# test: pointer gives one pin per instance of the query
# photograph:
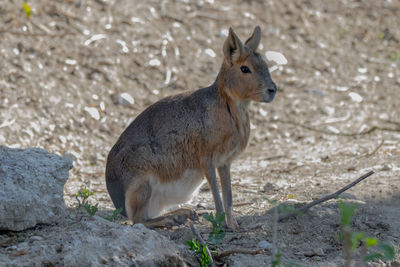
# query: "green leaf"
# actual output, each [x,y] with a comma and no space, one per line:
[194,245]
[220,218]
[355,239]
[371,241]
[277,261]
[208,217]
[190,244]
[27,9]
[114,216]
[347,212]
[372,257]
[381,35]
[388,254]
[388,251]
[395,56]
[205,254]
[91,210]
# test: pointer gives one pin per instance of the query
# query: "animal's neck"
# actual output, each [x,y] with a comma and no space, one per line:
[225,93]
[237,108]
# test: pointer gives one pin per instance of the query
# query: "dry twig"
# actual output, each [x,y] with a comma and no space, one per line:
[325,198]
[373,151]
[239,251]
[370,130]
[36,34]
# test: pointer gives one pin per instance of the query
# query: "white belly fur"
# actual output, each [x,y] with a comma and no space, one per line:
[165,196]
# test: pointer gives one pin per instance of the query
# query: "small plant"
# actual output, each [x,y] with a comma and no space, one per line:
[82,198]
[394,56]
[199,250]
[218,232]
[354,240]
[27,9]
[276,262]
[114,216]
[91,210]
[215,237]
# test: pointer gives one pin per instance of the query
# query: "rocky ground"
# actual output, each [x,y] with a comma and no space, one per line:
[65,69]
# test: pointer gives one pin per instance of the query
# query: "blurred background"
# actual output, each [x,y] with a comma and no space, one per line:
[75,73]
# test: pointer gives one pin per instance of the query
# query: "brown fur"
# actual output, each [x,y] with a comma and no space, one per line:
[179,139]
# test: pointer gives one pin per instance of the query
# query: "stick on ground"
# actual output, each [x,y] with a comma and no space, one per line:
[240,251]
[325,198]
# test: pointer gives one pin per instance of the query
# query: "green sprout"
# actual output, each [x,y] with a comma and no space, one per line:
[82,198]
[353,240]
[114,216]
[199,250]
[218,232]
[27,9]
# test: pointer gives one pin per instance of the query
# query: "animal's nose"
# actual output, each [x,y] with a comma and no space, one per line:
[272,88]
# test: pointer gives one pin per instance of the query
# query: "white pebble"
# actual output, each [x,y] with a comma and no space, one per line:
[362,70]
[93,112]
[95,37]
[154,62]
[342,88]
[210,52]
[262,112]
[277,57]
[128,98]
[69,61]
[124,99]
[355,97]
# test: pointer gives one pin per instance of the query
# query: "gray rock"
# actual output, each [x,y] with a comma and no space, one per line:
[31,187]
[94,241]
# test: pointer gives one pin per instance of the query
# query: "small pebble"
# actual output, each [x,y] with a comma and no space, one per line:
[124,99]
[93,112]
[318,252]
[264,245]
[155,62]
[36,238]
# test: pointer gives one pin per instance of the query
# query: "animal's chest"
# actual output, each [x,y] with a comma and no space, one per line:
[234,141]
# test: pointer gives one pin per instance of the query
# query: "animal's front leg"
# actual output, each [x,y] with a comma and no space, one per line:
[212,181]
[225,176]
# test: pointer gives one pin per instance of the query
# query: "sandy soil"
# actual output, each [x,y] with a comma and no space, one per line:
[335,117]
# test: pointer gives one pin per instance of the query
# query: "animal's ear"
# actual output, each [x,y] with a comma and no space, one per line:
[233,47]
[254,39]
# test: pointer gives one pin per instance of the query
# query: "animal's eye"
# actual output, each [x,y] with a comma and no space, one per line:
[245,69]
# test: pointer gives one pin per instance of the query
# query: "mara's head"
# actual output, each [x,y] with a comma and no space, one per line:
[244,72]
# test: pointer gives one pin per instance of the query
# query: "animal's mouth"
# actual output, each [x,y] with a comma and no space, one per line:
[269,98]
[270,94]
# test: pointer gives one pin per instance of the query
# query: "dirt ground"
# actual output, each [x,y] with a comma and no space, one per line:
[335,117]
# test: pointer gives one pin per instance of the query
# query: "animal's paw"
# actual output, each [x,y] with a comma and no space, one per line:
[174,218]
[232,224]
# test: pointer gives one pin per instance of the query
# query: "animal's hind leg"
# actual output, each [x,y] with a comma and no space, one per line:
[173,218]
[136,201]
